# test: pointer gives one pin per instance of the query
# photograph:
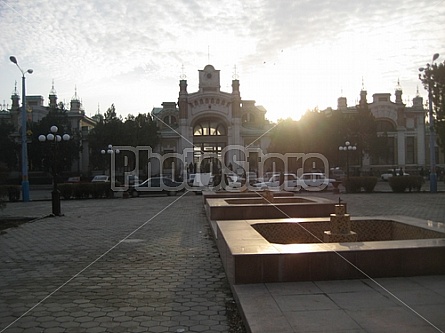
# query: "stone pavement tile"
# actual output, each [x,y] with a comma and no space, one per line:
[288,303]
[395,284]
[433,314]
[420,297]
[361,300]
[115,266]
[389,319]
[268,323]
[431,282]
[259,304]
[341,286]
[293,288]
[335,320]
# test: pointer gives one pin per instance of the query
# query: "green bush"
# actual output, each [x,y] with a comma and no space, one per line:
[355,184]
[99,190]
[81,190]
[10,191]
[14,193]
[3,194]
[400,184]
[86,190]
[66,190]
[369,183]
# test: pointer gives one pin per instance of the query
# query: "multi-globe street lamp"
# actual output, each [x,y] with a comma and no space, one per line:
[25,180]
[433,175]
[54,138]
[347,148]
[110,151]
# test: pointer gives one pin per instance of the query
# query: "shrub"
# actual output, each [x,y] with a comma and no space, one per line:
[3,194]
[355,184]
[81,190]
[98,190]
[66,190]
[369,183]
[400,184]
[13,193]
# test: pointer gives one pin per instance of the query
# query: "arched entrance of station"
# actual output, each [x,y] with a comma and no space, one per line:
[209,139]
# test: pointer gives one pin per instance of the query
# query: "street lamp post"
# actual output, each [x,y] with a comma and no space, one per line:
[347,147]
[25,180]
[54,138]
[110,151]
[433,175]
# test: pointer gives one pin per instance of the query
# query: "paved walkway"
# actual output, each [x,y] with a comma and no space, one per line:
[149,265]
[119,265]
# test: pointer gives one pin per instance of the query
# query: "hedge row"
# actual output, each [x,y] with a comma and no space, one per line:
[356,184]
[400,184]
[10,191]
[86,190]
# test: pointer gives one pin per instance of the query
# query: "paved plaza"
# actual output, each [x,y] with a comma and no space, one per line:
[150,265]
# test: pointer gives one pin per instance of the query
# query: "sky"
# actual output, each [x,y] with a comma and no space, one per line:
[289,55]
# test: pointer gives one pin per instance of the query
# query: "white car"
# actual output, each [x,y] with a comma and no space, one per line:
[291,183]
[100,179]
[385,176]
[315,181]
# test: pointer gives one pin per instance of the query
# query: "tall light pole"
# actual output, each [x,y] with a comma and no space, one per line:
[433,175]
[55,138]
[110,151]
[347,147]
[25,180]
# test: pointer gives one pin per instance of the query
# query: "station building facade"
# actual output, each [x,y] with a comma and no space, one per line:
[405,128]
[37,110]
[209,122]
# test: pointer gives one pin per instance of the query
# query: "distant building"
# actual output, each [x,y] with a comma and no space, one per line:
[405,129]
[36,111]
[209,120]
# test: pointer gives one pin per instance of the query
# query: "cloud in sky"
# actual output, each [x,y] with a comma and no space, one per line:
[290,55]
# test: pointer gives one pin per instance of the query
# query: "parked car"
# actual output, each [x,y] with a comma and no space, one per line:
[290,182]
[315,181]
[337,174]
[157,185]
[73,180]
[100,179]
[133,180]
[251,178]
[191,178]
[266,177]
[391,172]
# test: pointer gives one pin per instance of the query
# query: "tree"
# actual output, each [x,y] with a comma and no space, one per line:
[135,131]
[8,147]
[362,131]
[285,137]
[42,155]
[434,78]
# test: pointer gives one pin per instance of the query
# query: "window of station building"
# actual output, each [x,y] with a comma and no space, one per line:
[209,127]
[170,120]
[385,126]
[386,156]
[248,118]
[410,150]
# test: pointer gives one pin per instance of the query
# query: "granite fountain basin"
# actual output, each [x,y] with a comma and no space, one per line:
[291,249]
[259,207]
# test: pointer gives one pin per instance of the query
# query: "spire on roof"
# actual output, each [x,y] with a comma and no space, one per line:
[398,87]
[235,75]
[53,91]
[75,97]
[15,93]
[182,76]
